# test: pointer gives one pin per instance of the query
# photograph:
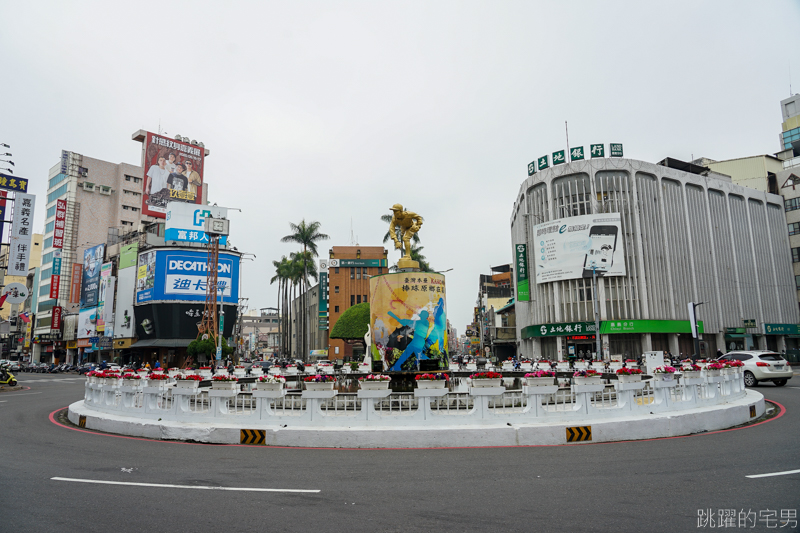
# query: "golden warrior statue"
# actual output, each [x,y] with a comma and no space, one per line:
[409,224]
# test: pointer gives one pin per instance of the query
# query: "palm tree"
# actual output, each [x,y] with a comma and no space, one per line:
[282,271]
[307,234]
[303,267]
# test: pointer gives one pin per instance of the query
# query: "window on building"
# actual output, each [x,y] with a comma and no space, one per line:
[46,274]
[797,282]
[48,228]
[336,270]
[44,289]
[56,180]
[47,258]
[358,299]
[336,309]
[791,204]
[380,270]
[365,298]
[336,289]
[48,242]
[794,228]
[352,299]
[57,193]
[795,255]
[51,211]
[353,271]
[126,223]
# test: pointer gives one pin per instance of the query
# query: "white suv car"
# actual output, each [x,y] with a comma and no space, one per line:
[762,366]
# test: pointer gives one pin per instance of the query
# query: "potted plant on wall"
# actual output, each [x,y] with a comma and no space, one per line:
[270,382]
[319,382]
[690,370]
[629,375]
[487,379]
[540,378]
[432,380]
[224,382]
[664,373]
[374,382]
[187,381]
[587,377]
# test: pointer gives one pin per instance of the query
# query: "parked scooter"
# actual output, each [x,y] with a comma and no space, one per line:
[6,377]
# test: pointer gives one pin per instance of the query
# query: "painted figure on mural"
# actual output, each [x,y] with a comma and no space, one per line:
[417,345]
[409,224]
[437,334]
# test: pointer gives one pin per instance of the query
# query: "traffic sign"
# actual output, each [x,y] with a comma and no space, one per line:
[219,353]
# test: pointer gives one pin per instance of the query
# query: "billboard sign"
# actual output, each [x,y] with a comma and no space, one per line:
[55,285]
[59,223]
[105,274]
[186,222]
[523,278]
[180,275]
[55,318]
[20,240]
[408,313]
[75,283]
[124,325]
[87,322]
[2,213]
[12,183]
[176,320]
[90,285]
[574,247]
[173,172]
[128,255]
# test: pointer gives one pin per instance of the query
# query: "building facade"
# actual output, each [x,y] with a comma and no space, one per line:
[685,237]
[349,270]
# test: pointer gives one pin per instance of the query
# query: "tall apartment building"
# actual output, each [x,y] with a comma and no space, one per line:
[349,270]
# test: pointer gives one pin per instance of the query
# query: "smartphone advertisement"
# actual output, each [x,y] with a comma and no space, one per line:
[578,247]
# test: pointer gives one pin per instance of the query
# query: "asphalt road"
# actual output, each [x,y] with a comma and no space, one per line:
[657,485]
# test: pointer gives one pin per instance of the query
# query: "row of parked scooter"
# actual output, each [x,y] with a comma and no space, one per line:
[48,368]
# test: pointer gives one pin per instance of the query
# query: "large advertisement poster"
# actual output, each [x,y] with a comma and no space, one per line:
[105,274]
[173,172]
[90,286]
[124,318]
[180,275]
[185,222]
[574,247]
[21,233]
[521,267]
[408,313]
[87,323]
[177,320]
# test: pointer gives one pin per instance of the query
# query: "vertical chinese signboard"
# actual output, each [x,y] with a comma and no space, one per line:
[75,283]
[55,318]
[20,240]
[2,213]
[61,217]
[55,276]
[323,300]
[523,279]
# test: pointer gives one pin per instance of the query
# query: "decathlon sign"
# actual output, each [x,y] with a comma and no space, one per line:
[181,276]
[184,222]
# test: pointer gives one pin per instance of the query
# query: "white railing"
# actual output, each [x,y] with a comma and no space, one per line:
[435,407]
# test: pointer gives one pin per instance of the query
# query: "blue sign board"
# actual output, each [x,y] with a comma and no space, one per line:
[186,222]
[181,275]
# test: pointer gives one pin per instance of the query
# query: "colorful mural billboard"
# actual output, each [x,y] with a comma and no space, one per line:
[408,315]
[173,173]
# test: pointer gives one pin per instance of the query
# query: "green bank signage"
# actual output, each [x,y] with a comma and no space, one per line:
[648,326]
[523,280]
[323,300]
[362,262]
[782,329]
[558,330]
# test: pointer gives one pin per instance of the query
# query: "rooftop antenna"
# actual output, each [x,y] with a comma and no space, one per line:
[352,237]
[566,128]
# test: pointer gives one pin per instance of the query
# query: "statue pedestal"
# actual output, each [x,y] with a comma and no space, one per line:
[407,264]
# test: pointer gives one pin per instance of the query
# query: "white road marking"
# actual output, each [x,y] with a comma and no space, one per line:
[169,486]
[26,394]
[786,473]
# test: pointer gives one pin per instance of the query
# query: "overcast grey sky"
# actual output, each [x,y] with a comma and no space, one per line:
[334,111]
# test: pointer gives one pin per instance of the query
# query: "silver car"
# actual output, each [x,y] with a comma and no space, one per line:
[762,366]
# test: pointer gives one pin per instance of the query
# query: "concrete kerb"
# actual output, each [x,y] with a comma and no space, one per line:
[671,424]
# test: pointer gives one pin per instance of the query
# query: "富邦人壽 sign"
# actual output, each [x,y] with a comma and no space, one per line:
[182,276]
[185,222]
[576,247]
[173,172]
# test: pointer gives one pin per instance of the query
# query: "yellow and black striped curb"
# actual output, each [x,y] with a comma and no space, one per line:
[82,421]
[252,436]
[579,433]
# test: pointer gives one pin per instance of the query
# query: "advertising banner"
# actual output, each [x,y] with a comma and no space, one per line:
[180,275]
[408,313]
[20,239]
[55,318]
[128,255]
[87,320]
[123,317]
[55,285]
[2,213]
[323,300]
[12,183]
[559,330]
[521,266]
[185,222]
[90,285]
[176,320]
[173,172]
[75,283]
[571,248]
[105,273]
[108,307]
[59,224]
[780,329]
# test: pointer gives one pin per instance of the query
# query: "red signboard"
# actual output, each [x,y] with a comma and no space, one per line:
[581,338]
[55,318]
[61,217]
[55,284]
[173,173]
[75,283]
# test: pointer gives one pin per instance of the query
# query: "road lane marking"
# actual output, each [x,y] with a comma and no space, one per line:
[786,473]
[168,486]
[26,394]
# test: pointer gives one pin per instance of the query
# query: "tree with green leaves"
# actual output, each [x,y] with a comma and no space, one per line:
[306,234]
[282,276]
[352,325]
[207,347]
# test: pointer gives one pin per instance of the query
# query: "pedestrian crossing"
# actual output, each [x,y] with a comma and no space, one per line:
[49,380]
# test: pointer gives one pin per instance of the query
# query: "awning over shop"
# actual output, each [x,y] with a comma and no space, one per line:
[506,307]
[162,343]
